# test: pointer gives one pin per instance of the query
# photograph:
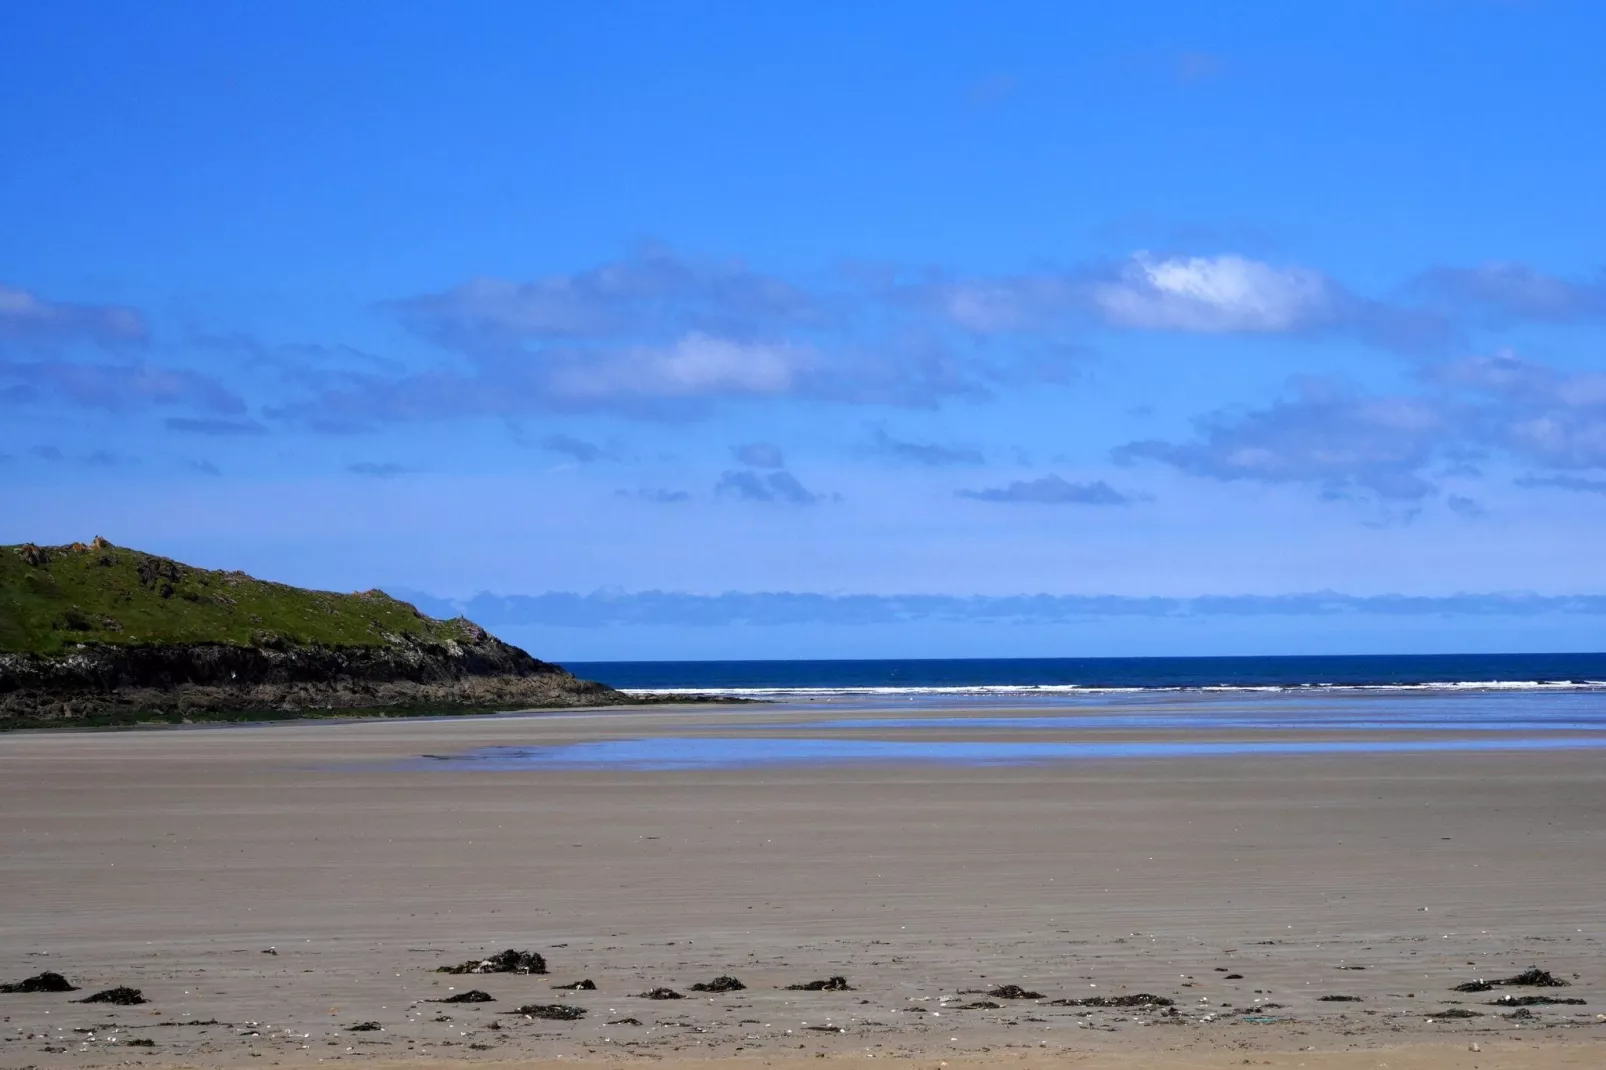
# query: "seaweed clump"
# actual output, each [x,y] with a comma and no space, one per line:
[1014,992]
[1136,999]
[1532,977]
[121,996]
[834,983]
[508,961]
[724,983]
[555,1012]
[473,995]
[41,982]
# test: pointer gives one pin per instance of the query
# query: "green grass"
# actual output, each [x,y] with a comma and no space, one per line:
[114,595]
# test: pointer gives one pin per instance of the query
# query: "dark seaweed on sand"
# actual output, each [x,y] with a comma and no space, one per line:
[1457,1012]
[979,1005]
[625,1021]
[508,961]
[1014,992]
[830,984]
[121,996]
[1532,977]
[587,985]
[1340,999]
[473,995]
[555,1012]
[724,983]
[365,1027]
[1136,999]
[41,982]
[662,993]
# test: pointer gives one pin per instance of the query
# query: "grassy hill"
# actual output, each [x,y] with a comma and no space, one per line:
[53,598]
[101,634]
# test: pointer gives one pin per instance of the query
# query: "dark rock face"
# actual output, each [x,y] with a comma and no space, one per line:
[98,680]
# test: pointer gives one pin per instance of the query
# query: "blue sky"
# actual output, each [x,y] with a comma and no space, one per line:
[690,309]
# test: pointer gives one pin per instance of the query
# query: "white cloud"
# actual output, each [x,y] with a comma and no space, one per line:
[1214,295]
[697,365]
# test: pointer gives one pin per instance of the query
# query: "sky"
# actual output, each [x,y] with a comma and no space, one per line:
[724,330]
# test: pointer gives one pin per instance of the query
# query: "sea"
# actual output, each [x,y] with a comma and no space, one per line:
[1038,678]
[1004,712]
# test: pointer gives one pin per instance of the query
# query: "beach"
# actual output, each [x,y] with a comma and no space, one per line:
[267,888]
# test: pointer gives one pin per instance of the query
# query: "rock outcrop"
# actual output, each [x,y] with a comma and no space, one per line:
[100,682]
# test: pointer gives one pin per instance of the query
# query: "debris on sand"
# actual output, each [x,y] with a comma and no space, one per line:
[1457,1012]
[552,1012]
[834,983]
[625,1021]
[509,961]
[122,996]
[661,993]
[825,1029]
[41,982]
[588,985]
[1339,999]
[724,983]
[364,1027]
[1534,1001]
[1014,992]
[1233,977]
[1522,1014]
[1136,999]
[1474,986]
[473,995]
[979,1005]
[141,1042]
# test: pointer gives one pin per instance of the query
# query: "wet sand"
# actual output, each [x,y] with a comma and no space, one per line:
[174,861]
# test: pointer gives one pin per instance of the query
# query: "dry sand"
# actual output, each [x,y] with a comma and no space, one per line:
[172,861]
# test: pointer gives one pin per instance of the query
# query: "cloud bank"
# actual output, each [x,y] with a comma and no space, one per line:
[659,608]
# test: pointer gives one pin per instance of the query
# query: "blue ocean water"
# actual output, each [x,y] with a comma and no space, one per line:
[1004,675]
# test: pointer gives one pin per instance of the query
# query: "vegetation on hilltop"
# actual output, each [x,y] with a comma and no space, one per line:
[54,598]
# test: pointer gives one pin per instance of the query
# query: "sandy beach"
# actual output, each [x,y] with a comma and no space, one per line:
[268,888]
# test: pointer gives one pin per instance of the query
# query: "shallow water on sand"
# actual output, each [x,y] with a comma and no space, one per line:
[1011,732]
